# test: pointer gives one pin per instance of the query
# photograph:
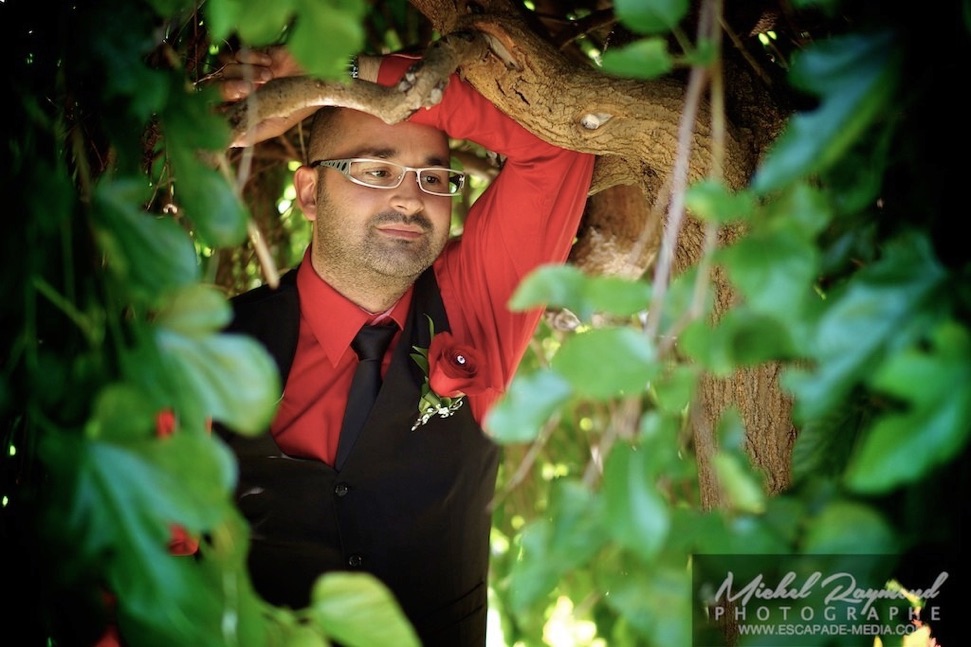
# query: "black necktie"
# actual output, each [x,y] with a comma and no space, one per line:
[369,344]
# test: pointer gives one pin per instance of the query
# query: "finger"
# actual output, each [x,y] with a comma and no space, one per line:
[234,90]
[256,74]
[249,56]
[283,62]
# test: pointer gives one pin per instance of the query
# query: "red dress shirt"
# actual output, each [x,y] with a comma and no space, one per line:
[526,218]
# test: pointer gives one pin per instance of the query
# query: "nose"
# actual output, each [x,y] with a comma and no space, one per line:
[408,197]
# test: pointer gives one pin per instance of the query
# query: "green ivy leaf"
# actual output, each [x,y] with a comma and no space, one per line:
[560,546]
[566,286]
[884,305]
[606,363]
[184,479]
[643,59]
[533,577]
[802,210]
[674,389]
[637,515]
[231,377]
[121,412]
[150,255]
[856,78]
[659,606]
[190,124]
[124,500]
[741,338]
[124,28]
[220,218]
[530,401]
[194,311]
[743,492]
[261,22]
[342,22]
[359,611]
[774,270]
[935,385]
[713,202]
[651,16]
[848,528]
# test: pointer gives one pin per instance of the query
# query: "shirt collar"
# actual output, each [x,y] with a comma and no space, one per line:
[333,319]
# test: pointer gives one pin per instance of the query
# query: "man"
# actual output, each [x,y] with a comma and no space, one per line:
[405,501]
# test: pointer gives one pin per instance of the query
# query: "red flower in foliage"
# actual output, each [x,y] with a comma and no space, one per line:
[181,542]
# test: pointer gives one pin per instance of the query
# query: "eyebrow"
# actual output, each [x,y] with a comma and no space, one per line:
[387,153]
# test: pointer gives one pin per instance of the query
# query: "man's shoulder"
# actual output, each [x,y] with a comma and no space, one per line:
[266,292]
[264,301]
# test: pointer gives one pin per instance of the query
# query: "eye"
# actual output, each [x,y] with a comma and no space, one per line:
[375,172]
[378,171]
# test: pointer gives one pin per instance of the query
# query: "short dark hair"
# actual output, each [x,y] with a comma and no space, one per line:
[321,129]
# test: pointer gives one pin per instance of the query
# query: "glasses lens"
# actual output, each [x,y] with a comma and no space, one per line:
[441,181]
[376,173]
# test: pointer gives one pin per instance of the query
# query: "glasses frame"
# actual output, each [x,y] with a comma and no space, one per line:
[343,166]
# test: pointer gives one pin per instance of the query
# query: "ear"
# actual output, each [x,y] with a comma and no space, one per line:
[305,184]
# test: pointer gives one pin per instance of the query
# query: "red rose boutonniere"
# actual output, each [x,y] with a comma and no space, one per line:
[451,372]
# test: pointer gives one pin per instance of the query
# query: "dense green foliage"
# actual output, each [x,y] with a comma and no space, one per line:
[851,273]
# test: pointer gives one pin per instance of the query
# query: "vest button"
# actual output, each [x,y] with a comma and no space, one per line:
[355,561]
[341,489]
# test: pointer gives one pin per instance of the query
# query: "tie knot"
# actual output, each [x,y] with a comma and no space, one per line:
[371,341]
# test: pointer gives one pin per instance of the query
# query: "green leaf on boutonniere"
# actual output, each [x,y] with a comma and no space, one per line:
[431,404]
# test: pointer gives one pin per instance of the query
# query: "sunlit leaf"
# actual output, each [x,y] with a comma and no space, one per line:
[537,574]
[659,606]
[637,515]
[566,286]
[231,376]
[359,611]
[712,201]
[674,389]
[263,21]
[528,404]
[607,362]
[741,490]
[643,59]
[341,22]
[196,310]
[741,338]
[651,16]
[774,270]
[572,536]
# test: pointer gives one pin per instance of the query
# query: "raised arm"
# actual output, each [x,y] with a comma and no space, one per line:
[526,218]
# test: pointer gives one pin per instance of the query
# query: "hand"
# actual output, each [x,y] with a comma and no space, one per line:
[251,68]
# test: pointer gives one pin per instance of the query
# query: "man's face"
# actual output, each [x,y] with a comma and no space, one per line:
[360,231]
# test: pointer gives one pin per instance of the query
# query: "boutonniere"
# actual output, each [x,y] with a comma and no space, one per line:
[451,372]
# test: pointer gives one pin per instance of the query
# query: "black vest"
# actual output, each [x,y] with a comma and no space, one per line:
[410,507]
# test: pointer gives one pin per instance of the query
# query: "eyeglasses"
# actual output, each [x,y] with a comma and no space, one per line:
[382,174]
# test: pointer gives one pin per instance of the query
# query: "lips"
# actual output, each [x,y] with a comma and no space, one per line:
[409,232]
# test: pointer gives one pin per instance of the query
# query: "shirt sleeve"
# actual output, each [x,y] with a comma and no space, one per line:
[527,217]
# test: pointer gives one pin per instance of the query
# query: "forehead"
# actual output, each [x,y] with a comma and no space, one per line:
[351,133]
